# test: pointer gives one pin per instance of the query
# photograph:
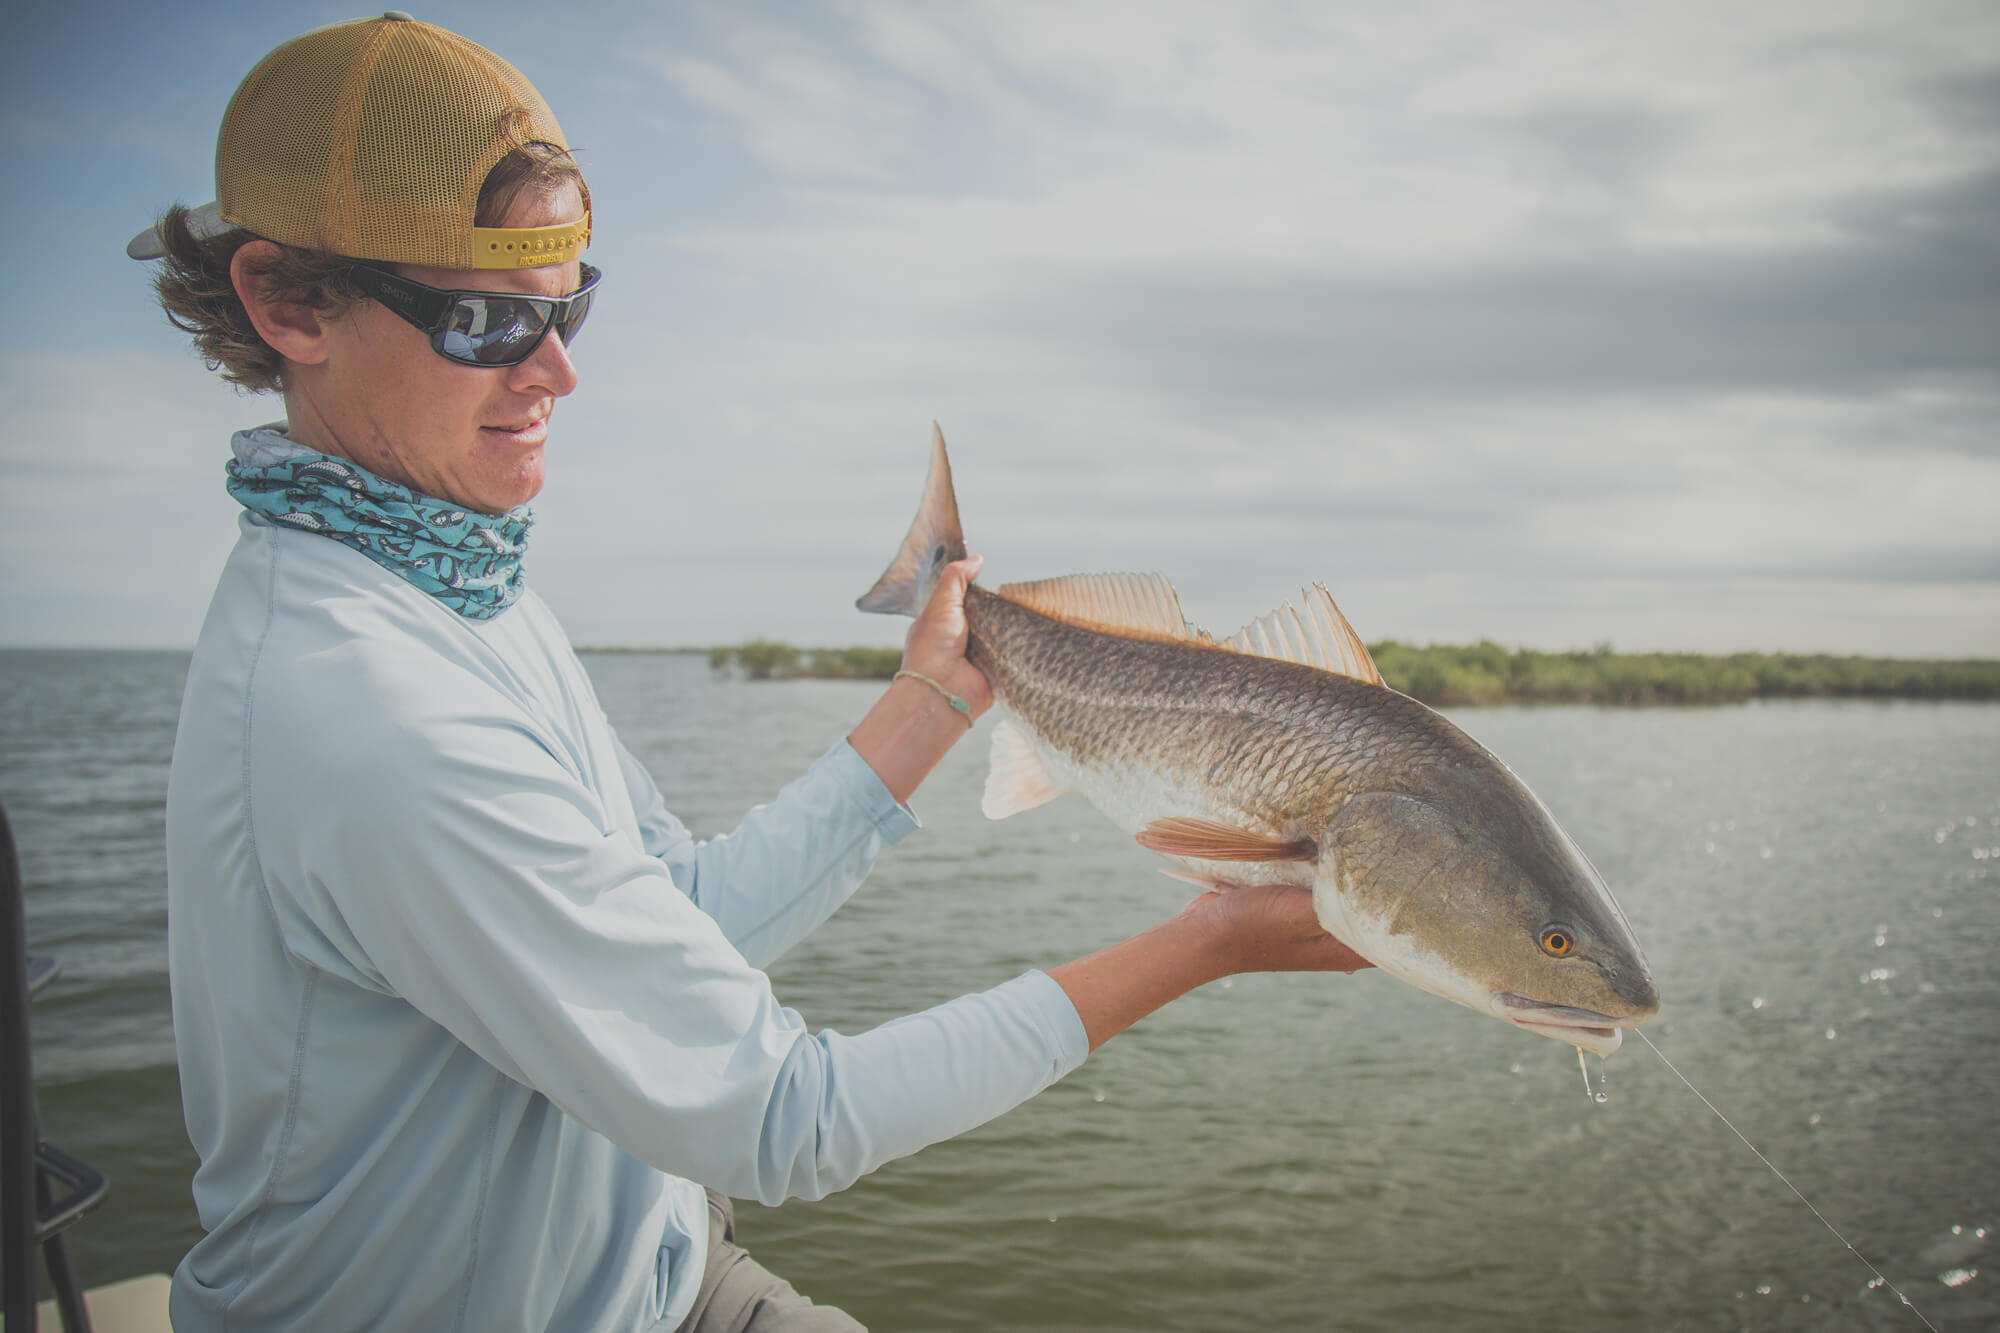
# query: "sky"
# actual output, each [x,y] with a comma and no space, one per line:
[1675,327]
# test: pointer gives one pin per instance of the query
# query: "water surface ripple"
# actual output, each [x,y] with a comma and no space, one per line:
[1815,884]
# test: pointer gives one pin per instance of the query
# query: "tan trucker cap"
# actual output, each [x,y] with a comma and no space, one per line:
[370,139]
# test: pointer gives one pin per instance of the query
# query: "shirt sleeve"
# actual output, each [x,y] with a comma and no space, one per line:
[475,877]
[788,865]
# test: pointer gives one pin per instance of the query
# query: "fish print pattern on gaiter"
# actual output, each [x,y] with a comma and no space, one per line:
[469,561]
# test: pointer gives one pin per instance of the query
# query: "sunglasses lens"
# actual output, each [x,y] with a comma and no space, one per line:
[571,323]
[500,330]
[493,330]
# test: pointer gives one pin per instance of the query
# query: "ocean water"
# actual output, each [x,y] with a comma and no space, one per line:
[1817,886]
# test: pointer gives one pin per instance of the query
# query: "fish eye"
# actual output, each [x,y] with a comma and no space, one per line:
[1557,940]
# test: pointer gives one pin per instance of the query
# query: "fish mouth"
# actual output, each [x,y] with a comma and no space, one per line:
[1578,1027]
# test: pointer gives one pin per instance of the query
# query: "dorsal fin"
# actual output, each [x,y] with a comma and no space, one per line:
[1320,638]
[1128,603]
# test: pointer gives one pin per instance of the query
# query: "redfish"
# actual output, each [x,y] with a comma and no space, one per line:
[1279,756]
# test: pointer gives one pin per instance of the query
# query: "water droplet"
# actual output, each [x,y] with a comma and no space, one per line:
[1765,852]
[1757,1003]
[1875,1282]
[1602,1098]
[1813,1119]
[1097,1096]
[1937,911]
[1708,847]
[1957,1229]
[1958,1277]
[1515,1069]
[1829,1034]
[1763,1289]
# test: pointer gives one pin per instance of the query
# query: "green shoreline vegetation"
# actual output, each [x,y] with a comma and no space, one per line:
[1471,675]
[767,659]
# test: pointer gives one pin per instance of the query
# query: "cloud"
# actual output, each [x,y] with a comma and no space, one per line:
[806,111]
[113,520]
[1912,290]
[1609,146]
[1966,100]
[1668,327]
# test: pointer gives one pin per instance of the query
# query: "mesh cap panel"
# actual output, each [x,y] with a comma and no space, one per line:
[371,139]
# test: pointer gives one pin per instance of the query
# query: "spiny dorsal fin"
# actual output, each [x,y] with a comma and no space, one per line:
[1132,603]
[1320,638]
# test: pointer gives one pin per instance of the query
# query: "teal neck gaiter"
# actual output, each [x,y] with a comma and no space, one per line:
[469,561]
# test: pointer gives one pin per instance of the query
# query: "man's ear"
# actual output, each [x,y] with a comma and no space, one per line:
[295,332]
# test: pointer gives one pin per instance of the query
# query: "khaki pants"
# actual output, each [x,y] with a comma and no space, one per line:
[739,1295]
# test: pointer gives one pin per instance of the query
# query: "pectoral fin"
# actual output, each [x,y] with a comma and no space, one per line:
[1016,777]
[1206,840]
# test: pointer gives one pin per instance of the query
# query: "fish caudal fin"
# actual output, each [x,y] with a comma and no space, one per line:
[934,541]
[1016,777]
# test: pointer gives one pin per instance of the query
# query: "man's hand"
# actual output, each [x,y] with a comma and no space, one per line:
[1269,928]
[935,645]
[1238,928]
[911,727]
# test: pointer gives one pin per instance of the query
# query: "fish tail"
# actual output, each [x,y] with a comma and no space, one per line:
[934,541]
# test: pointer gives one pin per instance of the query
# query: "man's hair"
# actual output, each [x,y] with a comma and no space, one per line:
[195,289]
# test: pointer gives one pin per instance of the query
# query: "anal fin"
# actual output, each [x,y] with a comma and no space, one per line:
[1201,881]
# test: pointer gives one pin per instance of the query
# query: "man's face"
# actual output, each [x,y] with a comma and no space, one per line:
[469,435]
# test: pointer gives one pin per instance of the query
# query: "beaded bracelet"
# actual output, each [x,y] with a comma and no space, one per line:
[963,708]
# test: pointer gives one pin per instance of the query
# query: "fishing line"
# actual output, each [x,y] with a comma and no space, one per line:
[1879,1275]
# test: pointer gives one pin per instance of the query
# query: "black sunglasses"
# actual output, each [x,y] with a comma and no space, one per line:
[490,329]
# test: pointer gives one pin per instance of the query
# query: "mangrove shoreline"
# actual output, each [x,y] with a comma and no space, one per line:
[1484,673]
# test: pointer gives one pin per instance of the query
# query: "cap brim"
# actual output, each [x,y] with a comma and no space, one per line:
[204,222]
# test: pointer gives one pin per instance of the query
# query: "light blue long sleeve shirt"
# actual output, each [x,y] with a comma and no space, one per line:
[464,1014]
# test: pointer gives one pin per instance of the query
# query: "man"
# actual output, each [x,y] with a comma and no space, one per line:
[472,1033]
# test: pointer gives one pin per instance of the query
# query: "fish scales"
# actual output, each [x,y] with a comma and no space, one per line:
[1279,757]
[1273,740]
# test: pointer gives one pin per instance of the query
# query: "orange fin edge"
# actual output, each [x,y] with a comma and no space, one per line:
[1207,840]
